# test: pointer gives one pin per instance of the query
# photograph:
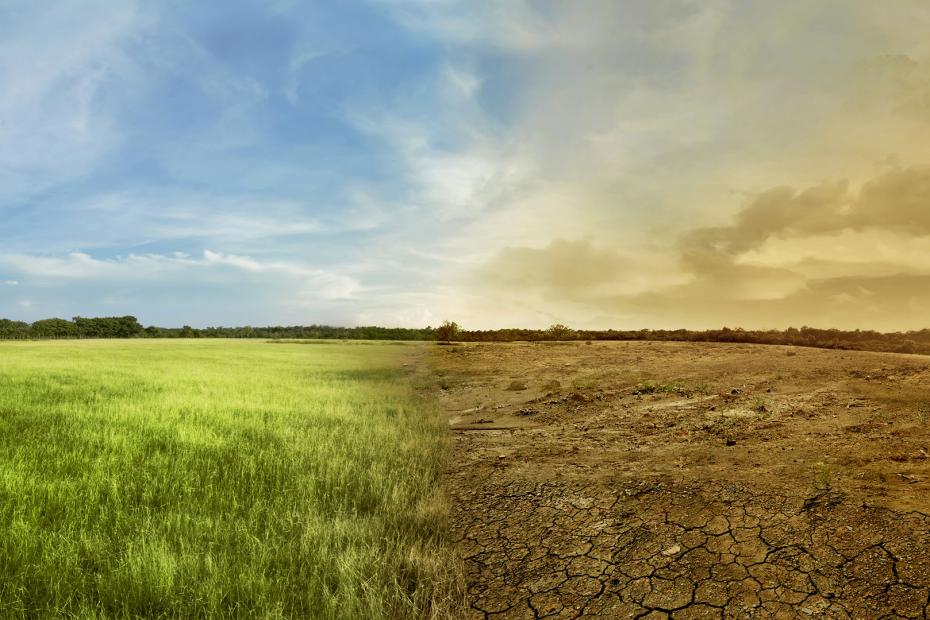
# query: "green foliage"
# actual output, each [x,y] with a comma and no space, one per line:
[651,387]
[107,327]
[217,479]
[129,327]
[448,332]
[14,330]
[54,328]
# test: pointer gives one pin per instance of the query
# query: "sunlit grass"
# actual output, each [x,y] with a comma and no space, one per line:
[217,479]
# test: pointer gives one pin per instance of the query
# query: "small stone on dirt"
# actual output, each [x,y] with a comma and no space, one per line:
[731,442]
[672,550]
[516,386]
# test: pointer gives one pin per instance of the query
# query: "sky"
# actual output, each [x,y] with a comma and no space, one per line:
[622,164]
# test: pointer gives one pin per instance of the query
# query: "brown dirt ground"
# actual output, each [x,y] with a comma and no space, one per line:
[688,480]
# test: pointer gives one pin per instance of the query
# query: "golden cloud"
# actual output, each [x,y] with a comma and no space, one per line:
[772,266]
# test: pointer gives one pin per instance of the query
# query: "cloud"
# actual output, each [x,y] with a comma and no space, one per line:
[325,284]
[208,288]
[562,265]
[894,201]
[298,61]
[514,25]
[151,267]
[823,255]
[11,282]
[55,65]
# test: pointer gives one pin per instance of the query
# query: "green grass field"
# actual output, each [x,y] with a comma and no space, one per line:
[240,479]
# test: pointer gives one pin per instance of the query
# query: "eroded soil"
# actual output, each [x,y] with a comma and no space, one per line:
[623,480]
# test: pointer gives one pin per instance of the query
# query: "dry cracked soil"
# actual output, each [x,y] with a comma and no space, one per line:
[688,480]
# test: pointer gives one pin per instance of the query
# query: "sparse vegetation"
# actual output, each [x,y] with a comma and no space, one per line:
[864,340]
[583,383]
[922,412]
[217,479]
[822,475]
[650,387]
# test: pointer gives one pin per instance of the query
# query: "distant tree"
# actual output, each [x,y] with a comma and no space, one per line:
[54,328]
[128,327]
[560,332]
[107,327]
[14,330]
[448,331]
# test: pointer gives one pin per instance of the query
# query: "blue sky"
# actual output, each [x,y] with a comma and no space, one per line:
[191,162]
[500,163]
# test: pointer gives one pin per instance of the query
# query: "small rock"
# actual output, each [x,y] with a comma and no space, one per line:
[672,550]
[731,442]
[516,386]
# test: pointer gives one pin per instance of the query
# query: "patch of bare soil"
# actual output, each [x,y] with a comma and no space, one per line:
[654,480]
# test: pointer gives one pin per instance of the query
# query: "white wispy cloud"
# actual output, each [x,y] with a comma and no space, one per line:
[457,167]
[53,65]
[152,267]
[513,26]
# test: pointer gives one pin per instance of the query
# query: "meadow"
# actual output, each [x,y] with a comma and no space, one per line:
[218,478]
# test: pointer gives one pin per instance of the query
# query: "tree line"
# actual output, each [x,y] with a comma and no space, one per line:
[863,340]
[129,327]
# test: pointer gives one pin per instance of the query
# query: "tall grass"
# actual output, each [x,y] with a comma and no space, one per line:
[195,479]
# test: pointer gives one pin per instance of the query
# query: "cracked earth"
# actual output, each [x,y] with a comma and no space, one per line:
[680,480]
